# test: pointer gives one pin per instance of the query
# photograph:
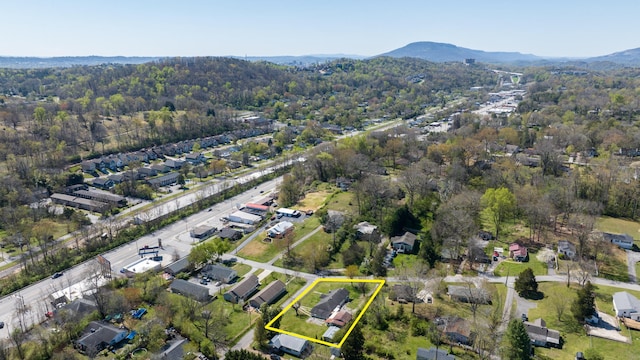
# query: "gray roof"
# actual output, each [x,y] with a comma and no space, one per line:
[172,350]
[289,342]
[244,288]
[97,333]
[269,294]
[178,266]
[538,331]
[219,272]
[430,354]
[189,289]
[406,238]
[330,333]
[623,300]
[623,238]
[329,302]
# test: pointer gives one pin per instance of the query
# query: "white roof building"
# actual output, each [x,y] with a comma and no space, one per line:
[626,305]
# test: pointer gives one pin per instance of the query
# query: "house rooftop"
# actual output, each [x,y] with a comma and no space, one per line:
[290,342]
[624,300]
[538,331]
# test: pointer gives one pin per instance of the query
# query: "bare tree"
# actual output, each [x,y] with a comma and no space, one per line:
[559,304]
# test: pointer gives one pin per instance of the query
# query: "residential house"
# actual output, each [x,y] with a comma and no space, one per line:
[477,255]
[469,294]
[402,294]
[230,234]
[98,336]
[404,243]
[147,172]
[75,310]
[102,196]
[174,164]
[219,273]
[189,289]
[195,158]
[518,252]
[280,229]
[540,335]
[512,149]
[567,249]
[172,350]
[203,231]
[624,241]
[329,303]
[176,267]
[433,354]
[151,155]
[160,168]
[73,188]
[116,178]
[457,330]
[291,345]
[626,305]
[343,183]
[365,230]
[88,166]
[339,319]
[80,203]
[103,183]
[268,295]
[242,290]
[164,180]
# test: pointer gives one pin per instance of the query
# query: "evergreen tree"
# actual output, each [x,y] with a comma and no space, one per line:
[242,355]
[518,345]
[526,284]
[584,305]
[353,347]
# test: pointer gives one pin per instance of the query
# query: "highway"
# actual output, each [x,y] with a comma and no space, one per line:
[175,238]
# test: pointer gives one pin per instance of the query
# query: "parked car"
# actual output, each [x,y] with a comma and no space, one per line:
[56,275]
[204,282]
[1,324]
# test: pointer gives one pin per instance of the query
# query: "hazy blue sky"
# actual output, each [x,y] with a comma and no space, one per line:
[303,27]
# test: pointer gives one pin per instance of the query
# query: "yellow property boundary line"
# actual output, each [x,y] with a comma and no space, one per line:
[316,282]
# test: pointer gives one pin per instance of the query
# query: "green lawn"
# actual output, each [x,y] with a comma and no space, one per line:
[513,268]
[342,201]
[574,337]
[257,250]
[241,269]
[619,226]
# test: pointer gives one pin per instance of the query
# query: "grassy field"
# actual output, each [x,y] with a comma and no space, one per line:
[513,268]
[619,226]
[313,201]
[572,333]
[342,201]
[241,269]
[257,250]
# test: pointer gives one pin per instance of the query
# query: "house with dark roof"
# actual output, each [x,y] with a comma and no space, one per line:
[103,183]
[457,330]
[477,255]
[219,273]
[230,233]
[339,319]
[404,243]
[176,267]
[189,289]
[195,158]
[402,294]
[75,310]
[268,295]
[540,335]
[329,303]
[161,168]
[469,294]
[433,354]
[171,350]
[98,336]
[147,172]
[242,290]
[624,241]
[203,231]
[116,178]
[174,164]
[291,345]
[164,180]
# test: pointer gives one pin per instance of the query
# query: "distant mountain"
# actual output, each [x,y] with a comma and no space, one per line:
[68,61]
[629,57]
[299,60]
[441,52]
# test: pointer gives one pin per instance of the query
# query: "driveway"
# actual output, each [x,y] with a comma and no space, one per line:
[632,258]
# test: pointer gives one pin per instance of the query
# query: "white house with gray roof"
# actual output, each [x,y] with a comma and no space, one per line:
[626,305]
